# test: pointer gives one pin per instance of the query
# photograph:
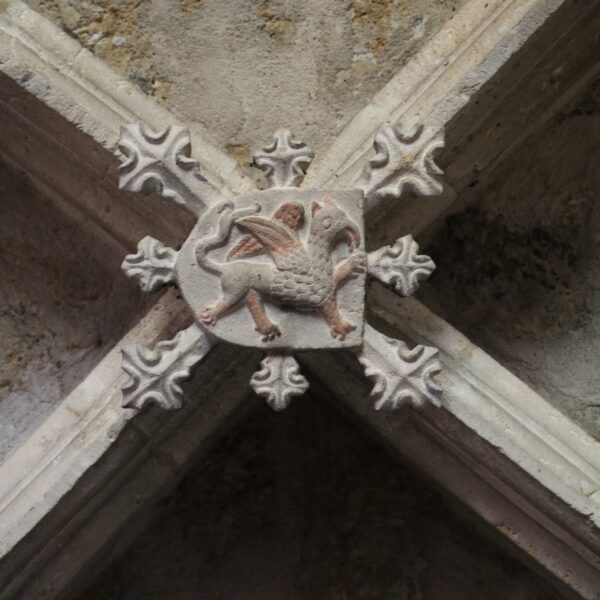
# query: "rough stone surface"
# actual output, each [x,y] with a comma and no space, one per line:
[518,269]
[300,505]
[62,306]
[242,69]
[492,576]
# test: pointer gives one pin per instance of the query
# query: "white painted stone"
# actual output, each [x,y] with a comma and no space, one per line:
[284,161]
[400,266]
[152,266]
[279,380]
[403,160]
[401,375]
[156,374]
[160,161]
[292,285]
[284,266]
[90,94]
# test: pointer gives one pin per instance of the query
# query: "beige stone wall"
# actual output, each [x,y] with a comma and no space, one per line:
[244,68]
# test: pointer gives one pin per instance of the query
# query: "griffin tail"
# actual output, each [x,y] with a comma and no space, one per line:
[219,239]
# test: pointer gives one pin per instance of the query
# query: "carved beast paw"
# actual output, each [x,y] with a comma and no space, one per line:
[270,333]
[208,316]
[358,264]
[341,329]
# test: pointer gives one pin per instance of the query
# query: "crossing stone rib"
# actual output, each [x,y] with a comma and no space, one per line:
[549,450]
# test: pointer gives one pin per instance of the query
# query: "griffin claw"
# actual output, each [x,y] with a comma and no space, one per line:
[269,334]
[207,316]
[340,332]
[357,270]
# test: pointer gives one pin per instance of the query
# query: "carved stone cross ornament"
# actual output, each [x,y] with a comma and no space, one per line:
[281,269]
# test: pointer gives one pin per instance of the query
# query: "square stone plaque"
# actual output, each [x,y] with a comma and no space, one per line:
[281,268]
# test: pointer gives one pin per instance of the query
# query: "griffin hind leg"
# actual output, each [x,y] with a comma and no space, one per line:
[338,326]
[209,315]
[232,296]
[264,325]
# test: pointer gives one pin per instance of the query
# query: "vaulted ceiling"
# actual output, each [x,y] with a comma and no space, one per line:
[512,307]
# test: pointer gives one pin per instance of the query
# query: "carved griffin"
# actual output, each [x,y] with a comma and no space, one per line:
[280,269]
[302,274]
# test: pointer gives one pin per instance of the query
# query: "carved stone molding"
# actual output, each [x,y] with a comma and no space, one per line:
[285,161]
[401,375]
[279,380]
[156,374]
[541,467]
[281,269]
[403,161]
[152,266]
[160,161]
[400,266]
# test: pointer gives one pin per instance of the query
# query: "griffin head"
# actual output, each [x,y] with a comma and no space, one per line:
[333,224]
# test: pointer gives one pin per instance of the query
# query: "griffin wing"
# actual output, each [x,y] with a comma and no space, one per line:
[289,214]
[275,238]
[248,246]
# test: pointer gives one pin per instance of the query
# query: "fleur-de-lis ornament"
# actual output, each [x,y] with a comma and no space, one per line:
[280,269]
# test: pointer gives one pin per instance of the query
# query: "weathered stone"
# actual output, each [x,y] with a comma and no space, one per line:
[160,161]
[280,281]
[524,468]
[155,374]
[402,160]
[256,258]
[400,265]
[279,380]
[241,68]
[302,505]
[284,162]
[152,266]
[401,375]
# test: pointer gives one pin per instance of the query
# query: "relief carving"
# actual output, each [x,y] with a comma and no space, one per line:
[161,162]
[279,380]
[400,266]
[285,161]
[155,375]
[404,161]
[302,275]
[152,266]
[401,375]
[281,269]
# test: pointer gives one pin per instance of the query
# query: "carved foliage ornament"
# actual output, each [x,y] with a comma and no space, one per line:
[280,269]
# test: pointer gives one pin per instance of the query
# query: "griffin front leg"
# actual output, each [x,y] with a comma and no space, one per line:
[350,268]
[338,326]
[264,325]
